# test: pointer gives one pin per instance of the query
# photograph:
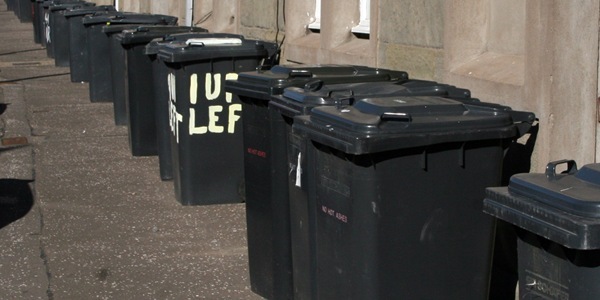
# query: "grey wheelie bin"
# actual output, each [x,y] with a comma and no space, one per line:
[99,47]
[136,105]
[557,217]
[206,137]
[161,101]
[78,50]
[395,186]
[266,168]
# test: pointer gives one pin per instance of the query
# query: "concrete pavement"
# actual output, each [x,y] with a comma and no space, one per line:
[83,219]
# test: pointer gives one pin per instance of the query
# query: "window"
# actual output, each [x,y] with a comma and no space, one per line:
[364,25]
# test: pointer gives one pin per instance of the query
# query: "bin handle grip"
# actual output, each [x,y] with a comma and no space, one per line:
[391,116]
[300,73]
[313,85]
[551,167]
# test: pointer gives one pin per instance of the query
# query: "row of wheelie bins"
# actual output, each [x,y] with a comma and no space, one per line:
[358,182]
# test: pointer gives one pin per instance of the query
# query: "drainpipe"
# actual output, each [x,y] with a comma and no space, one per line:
[189,13]
[117,5]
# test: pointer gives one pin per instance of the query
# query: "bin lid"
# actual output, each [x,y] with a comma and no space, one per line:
[89,10]
[300,100]
[146,33]
[128,18]
[398,122]
[262,84]
[49,3]
[564,208]
[576,192]
[153,46]
[69,6]
[212,47]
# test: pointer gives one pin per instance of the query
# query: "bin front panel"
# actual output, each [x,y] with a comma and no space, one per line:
[548,270]
[206,132]
[390,224]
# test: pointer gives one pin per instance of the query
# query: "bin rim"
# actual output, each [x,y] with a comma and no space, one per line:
[68,6]
[128,18]
[569,230]
[146,33]
[262,84]
[90,10]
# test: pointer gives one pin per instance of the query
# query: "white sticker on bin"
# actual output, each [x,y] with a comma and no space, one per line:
[213,41]
[299,171]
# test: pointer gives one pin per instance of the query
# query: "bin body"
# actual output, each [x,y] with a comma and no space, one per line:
[206,133]
[78,50]
[557,217]
[266,168]
[395,185]
[99,48]
[138,101]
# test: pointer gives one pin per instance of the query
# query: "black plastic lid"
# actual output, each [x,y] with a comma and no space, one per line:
[129,18]
[576,192]
[144,34]
[70,6]
[212,47]
[153,47]
[298,101]
[399,122]
[89,11]
[564,208]
[263,84]
[48,3]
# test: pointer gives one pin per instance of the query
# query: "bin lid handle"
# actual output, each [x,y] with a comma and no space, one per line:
[393,116]
[213,41]
[551,167]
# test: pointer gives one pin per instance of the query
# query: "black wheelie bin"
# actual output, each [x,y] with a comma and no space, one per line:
[99,47]
[206,139]
[78,50]
[299,101]
[136,106]
[266,168]
[557,217]
[395,186]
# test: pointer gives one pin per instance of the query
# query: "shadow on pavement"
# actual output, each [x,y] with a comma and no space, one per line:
[16,199]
